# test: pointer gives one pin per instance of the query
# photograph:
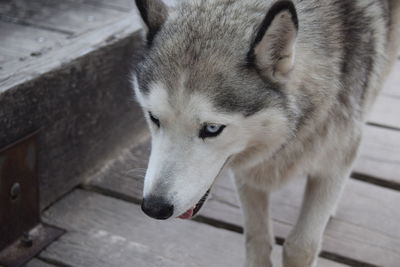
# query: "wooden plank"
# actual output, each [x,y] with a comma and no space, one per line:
[74,48]
[121,5]
[386,109]
[356,233]
[392,84]
[380,155]
[6,55]
[19,42]
[65,16]
[126,172]
[105,232]
[26,38]
[38,263]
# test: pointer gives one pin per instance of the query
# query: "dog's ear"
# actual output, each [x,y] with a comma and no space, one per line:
[154,13]
[273,49]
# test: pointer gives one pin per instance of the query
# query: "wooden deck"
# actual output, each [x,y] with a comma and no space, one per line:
[104,224]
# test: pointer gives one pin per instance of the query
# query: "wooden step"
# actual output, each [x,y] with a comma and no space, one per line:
[104,232]
[67,75]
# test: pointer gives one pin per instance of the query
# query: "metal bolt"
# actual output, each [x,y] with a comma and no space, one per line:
[15,191]
[26,240]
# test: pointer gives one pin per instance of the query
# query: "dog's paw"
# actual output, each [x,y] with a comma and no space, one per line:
[258,252]
[259,260]
[300,255]
[258,264]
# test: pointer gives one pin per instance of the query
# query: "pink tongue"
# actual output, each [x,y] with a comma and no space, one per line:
[187,215]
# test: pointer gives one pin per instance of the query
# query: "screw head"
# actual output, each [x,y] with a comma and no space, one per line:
[26,240]
[15,191]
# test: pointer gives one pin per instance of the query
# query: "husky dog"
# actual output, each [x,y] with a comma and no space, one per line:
[268,89]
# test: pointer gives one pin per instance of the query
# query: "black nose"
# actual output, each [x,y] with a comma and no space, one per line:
[157,208]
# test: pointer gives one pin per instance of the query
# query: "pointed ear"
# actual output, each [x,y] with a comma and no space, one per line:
[154,13]
[273,49]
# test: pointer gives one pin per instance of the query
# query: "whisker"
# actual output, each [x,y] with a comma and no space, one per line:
[136,170]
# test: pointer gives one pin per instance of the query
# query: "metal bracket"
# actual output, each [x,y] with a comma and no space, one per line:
[22,234]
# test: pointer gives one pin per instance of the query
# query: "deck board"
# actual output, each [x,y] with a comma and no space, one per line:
[120,5]
[387,107]
[105,232]
[16,73]
[379,155]
[392,84]
[20,42]
[386,112]
[61,16]
[6,55]
[30,29]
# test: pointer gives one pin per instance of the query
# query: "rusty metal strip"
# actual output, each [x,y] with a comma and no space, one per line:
[21,234]
[29,245]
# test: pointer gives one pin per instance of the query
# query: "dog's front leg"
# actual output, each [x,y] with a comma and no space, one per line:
[257,224]
[302,246]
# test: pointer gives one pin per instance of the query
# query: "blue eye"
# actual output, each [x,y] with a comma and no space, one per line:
[211,130]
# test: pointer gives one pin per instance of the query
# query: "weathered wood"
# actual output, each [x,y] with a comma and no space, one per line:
[19,42]
[387,108]
[65,16]
[386,112]
[80,98]
[120,5]
[392,84]
[6,55]
[27,39]
[125,173]
[38,263]
[72,49]
[123,5]
[105,232]
[380,155]
[356,233]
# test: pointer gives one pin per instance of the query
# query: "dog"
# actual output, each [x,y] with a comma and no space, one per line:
[267,89]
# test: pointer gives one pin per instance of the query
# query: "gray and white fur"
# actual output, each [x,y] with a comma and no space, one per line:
[288,85]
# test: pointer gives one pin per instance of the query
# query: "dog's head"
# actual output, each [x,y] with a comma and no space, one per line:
[212,86]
